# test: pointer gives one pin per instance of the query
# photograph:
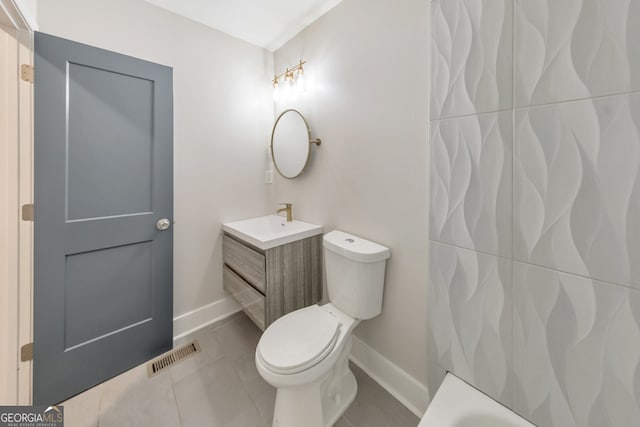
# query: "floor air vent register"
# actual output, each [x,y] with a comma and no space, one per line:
[171,358]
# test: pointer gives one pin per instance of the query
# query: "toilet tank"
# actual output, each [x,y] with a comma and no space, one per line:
[354,270]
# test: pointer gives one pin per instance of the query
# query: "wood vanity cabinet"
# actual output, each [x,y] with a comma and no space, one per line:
[271,283]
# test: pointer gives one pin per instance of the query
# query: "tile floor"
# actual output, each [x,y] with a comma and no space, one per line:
[218,387]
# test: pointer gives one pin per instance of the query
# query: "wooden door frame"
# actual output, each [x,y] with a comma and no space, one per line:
[16,253]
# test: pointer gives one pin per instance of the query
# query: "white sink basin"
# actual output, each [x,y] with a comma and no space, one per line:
[269,231]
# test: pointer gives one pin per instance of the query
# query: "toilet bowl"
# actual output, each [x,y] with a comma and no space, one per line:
[305,354]
[315,370]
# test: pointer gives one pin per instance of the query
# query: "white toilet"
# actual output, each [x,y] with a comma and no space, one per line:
[305,354]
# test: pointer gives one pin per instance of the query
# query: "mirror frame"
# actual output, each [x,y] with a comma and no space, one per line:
[316,141]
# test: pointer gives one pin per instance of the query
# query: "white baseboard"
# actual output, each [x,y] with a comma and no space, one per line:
[203,316]
[401,385]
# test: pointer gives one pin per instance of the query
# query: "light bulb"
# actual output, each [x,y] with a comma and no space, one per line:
[288,86]
[296,86]
[300,81]
[276,90]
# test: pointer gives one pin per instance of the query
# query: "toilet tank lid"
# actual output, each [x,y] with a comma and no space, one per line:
[354,247]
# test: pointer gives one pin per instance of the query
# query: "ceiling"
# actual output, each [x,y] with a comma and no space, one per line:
[265,23]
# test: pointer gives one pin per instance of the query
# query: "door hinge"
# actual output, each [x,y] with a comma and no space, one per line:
[26,352]
[28,212]
[27,73]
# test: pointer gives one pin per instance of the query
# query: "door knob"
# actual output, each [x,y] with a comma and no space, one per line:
[163,224]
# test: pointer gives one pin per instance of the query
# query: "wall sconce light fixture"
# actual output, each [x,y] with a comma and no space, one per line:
[290,82]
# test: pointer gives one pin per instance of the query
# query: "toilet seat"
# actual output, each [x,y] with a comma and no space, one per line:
[298,340]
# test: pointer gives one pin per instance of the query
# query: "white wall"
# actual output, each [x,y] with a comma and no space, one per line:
[222,118]
[368,102]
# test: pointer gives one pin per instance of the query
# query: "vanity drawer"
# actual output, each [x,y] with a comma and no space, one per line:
[244,261]
[252,301]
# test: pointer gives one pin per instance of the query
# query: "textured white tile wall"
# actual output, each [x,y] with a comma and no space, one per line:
[575,348]
[577,187]
[471,56]
[573,49]
[471,178]
[470,312]
[535,205]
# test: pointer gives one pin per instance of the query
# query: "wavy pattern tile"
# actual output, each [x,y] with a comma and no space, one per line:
[470,309]
[577,188]
[572,49]
[576,350]
[561,346]
[471,56]
[471,176]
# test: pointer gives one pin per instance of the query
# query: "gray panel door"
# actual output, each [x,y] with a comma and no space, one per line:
[103,290]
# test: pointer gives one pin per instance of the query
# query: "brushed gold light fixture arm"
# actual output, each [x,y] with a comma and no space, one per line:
[289,73]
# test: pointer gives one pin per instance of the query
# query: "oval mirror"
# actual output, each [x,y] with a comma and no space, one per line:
[290,143]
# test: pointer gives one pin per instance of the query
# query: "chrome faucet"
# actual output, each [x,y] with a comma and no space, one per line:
[286,209]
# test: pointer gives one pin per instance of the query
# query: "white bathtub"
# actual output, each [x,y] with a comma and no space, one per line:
[457,404]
